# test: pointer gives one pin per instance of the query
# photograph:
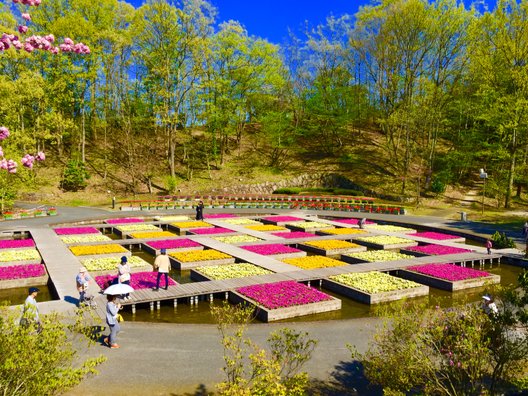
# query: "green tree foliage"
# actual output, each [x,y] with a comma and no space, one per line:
[74,177]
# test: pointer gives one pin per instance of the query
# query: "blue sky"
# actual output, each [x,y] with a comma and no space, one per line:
[271,19]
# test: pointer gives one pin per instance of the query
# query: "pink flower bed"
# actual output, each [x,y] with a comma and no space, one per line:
[294,234]
[282,218]
[125,220]
[138,280]
[449,272]
[270,249]
[219,216]
[435,235]
[76,230]
[352,221]
[283,294]
[437,250]
[18,243]
[22,271]
[173,244]
[209,230]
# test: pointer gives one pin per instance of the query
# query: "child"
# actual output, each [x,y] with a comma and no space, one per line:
[489,245]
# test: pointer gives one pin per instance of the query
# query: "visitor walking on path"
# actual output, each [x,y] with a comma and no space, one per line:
[123,272]
[83,280]
[199,210]
[112,314]
[162,265]
[489,245]
[525,229]
[362,223]
[30,313]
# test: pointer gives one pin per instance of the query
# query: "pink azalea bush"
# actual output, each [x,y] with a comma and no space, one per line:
[270,249]
[76,230]
[173,244]
[125,220]
[294,234]
[22,271]
[209,230]
[437,250]
[283,294]
[435,235]
[219,215]
[18,243]
[352,221]
[449,272]
[138,280]
[281,219]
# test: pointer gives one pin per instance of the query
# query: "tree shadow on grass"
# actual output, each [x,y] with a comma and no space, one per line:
[348,378]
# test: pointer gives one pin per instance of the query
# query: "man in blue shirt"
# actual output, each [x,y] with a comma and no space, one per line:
[31,313]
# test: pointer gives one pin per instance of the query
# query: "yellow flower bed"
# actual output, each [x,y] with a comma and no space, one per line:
[314,262]
[266,227]
[330,244]
[137,227]
[343,231]
[388,228]
[241,221]
[199,255]
[157,234]
[191,224]
[384,240]
[7,255]
[374,282]
[309,225]
[97,249]
[84,238]
[172,218]
[231,271]
[380,255]
[237,239]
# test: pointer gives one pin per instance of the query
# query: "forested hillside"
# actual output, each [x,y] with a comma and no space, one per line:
[406,92]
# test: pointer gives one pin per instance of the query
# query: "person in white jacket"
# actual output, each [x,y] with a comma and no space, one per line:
[162,265]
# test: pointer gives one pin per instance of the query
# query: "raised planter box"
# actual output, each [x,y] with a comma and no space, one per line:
[133,270]
[155,252]
[331,252]
[447,284]
[24,282]
[375,298]
[270,315]
[194,264]
[385,246]
[128,253]
[295,228]
[21,262]
[286,255]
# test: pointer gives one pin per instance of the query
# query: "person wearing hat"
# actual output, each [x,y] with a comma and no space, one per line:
[489,305]
[123,270]
[31,312]
[83,280]
[162,265]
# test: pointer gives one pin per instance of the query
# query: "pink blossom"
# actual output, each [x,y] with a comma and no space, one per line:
[282,219]
[435,235]
[26,16]
[68,41]
[3,164]
[76,230]
[28,47]
[293,235]
[22,271]
[12,166]
[449,272]
[138,280]
[437,250]
[125,220]
[218,215]
[270,249]
[22,29]
[40,156]
[28,160]
[16,243]
[173,244]
[4,133]
[352,221]
[50,38]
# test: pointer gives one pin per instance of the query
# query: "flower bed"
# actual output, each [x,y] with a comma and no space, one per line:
[275,250]
[294,234]
[111,263]
[438,236]
[76,230]
[340,231]
[314,262]
[219,215]
[22,275]
[375,256]
[197,258]
[154,247]
[229,271]
[385,242]
[308,225]
[280,220]
[124,220]
[234,239]
[353,221]
[138,280]
[172,218]
[148,235]
[285,300]
[84,238]
[17,243]
[137,227]
[211,230]
[242,221]
[390,228]
[98,249]
[331,247]
[437,250]
[190,224]
[267,228]
[450,272]
[20,256]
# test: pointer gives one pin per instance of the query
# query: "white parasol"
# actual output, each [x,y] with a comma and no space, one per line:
[119,288]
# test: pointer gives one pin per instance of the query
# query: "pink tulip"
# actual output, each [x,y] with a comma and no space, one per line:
[26,16]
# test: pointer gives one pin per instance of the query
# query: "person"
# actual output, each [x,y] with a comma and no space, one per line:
[199,210]
[162,265]
[30,313]
[123,273]
[525,229]
[489,245]
[112,313]
[362,223]
[83,280]
[489,306]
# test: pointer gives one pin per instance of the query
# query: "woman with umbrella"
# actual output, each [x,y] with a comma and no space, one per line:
[112,314]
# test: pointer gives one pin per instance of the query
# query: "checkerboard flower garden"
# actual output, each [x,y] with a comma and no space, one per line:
[374,282]
[76,230]
[232,271]
[199,255]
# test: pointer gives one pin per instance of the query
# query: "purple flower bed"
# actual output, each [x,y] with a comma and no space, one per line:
[138,280]
[125,220]
[270,249]
[435,235]
[209,230]
[219,216]
[352,221]
[294,234]
[22,271]
[18,243]
[283,294]
[173,244]
[449,272]
[76,230]
[437,250]
[282,219]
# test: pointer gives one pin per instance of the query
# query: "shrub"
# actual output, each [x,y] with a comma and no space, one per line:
[501,241]
[74,177]
[438,186]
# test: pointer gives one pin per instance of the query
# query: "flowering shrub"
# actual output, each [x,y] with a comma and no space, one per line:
[265,227]
[309,225]
[173,244]
[343,231]
[241,221]
[330,244]
[380,255]
[230,271]
[84,238]
[270,249]
[172,218]
[384,240]
[389,228]
[282,219]
[435,235]
[374,282]
[97,249]
[156,234]
[211,230]
[219,215]
[19,255]
[314,262]
[137,227]
[125,220]
[76,230]
[199,255]
[111,263]
[237,239]
[283,294]
[22,271]
[449,272]
[437,250]
[191,224]
[294,234]
[353,221]
[17,243]
[138,280]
